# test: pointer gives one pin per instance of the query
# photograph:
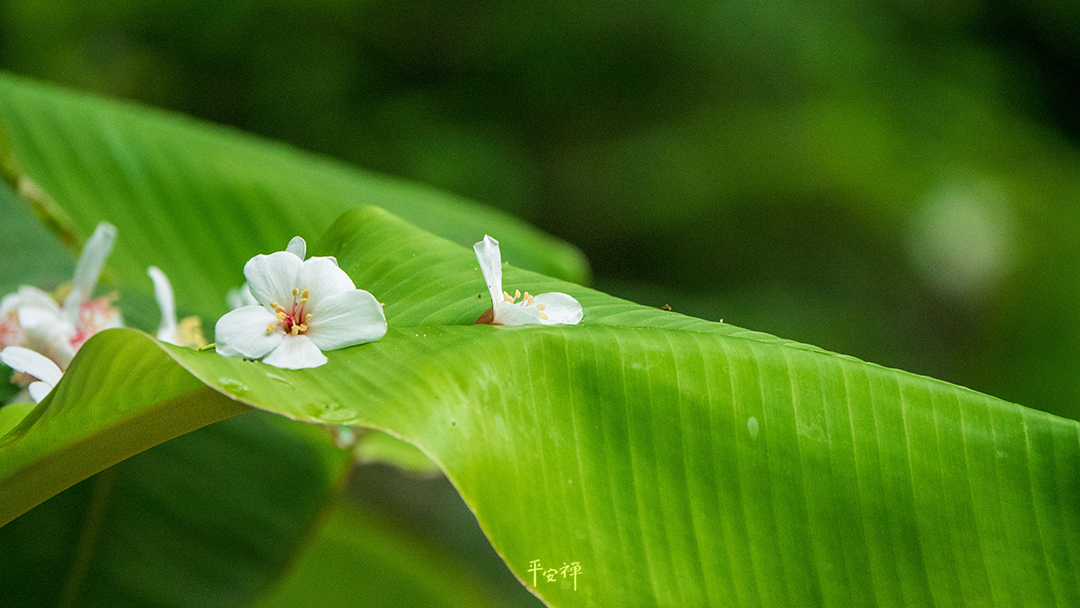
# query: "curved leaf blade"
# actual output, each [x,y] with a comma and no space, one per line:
[628,444]
[126,397]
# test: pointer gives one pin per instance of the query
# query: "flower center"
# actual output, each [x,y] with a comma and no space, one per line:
[292,320]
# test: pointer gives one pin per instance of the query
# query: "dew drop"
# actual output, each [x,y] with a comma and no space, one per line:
[752,426]
[233,386]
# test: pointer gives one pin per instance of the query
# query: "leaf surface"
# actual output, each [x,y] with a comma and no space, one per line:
[684,463]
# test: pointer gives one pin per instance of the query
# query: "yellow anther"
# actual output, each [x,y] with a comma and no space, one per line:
[295,330]
[295,291]
[270,328]
[508,297]
[307,319]
[517,294]
[543,317]
[528,299]
[540,307]
[306,294]
[302,327]
[275,305]
[281,315]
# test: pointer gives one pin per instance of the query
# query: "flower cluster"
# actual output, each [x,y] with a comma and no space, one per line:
[290,310]
[53,329]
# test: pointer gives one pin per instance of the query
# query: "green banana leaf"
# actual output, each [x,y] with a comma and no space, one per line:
[209,519]
[665,460]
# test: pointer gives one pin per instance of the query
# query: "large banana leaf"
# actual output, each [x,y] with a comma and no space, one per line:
[677,462]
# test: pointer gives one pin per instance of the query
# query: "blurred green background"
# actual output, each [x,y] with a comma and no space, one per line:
[895,180]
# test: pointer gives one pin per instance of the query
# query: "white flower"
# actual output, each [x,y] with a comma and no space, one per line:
[163,293]
[188,332]
[552,308]
[304,308]
[31,317]
[35,364]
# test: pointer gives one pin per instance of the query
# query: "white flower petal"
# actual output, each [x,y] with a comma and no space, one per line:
[296,352]
[272,278]
[30,362]
[515,314]
[298,247]
[88,268]
[39,390]
[166,302]
[322,277]
[242,332]
[559,308]
[346,319]
[487,253]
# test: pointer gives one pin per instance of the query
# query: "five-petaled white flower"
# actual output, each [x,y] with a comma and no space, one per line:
[31,317]
[34,364]
[304,307]
[552,308]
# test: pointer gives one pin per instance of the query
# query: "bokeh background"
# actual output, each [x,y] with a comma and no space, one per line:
[897,180]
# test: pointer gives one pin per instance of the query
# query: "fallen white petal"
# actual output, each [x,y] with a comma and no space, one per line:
[242,332]
[296,352]
[272,277]
[347,319]
[31,362]
[559,308]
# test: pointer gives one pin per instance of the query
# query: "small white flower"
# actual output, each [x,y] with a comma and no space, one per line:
[188,332]
[552,308]
[34,364]
[304,308]
[31,317]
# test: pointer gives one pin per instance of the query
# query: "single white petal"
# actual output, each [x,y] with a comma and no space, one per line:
[30,362]
[39,390]
[297,247]
[487,253]
[272,278]
[515,314]
[242,332]
[296,352]
[346,319]
[166,302]
[559,308]
[88,268]
[322,277]
[239,297]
